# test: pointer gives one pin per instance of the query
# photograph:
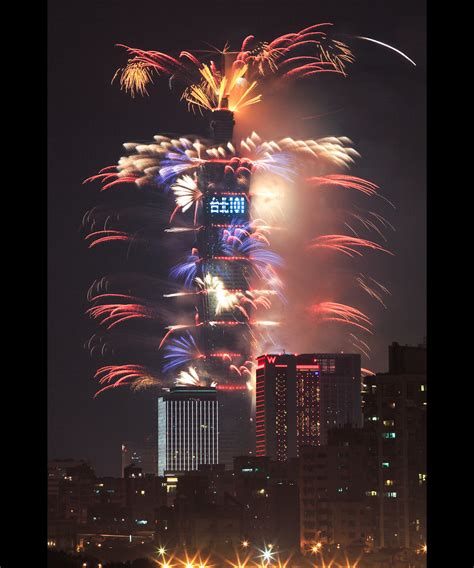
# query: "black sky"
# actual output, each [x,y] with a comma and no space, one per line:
[383,112]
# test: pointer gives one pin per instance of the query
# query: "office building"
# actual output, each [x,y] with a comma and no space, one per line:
[188,432]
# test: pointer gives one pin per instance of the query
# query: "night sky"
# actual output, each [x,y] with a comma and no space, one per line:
[380,106]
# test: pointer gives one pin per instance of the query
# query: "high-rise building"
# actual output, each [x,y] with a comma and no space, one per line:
[188,429]
[299,397]
[395,410]
[335,506]
[221,268]
[224,334]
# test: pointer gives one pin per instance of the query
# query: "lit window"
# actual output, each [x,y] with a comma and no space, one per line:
[385,464]
[371,493]
[421,477]
[389,435]
[389,482]
[389,422]
[142,492]
[392,494]
[422,388]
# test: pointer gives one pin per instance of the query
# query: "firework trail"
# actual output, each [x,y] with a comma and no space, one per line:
[371,221]
[345,244]
[388,47]
[373,288]
[136,377]
[360,345]
[348,182]
[332,311]
[227,270]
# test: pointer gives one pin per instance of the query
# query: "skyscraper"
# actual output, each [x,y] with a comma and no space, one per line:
[187,429]
[224,331]
[299,397]
[395,410]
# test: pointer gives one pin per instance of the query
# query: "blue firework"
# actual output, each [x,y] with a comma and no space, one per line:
[180,351]
[185,272]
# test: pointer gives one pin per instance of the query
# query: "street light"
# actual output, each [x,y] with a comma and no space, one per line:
[267,553]
[245,544]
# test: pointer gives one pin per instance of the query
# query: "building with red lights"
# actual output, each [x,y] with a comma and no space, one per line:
[300,397]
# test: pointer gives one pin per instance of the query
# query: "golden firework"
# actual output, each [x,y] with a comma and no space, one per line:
[134,77]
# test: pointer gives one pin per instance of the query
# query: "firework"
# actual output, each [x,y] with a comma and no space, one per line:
[373,288]
[332,311]
[187,194]
[228,274]
[388,47]
[136,377]
[161,163]
[345,244]
[237,83]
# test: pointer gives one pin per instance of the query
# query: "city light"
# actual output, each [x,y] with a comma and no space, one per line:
[267,553]
[231,286]
[316,547]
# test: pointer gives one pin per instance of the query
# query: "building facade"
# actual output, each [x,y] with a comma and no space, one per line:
[300,397]
[335,507]
[395,410]
[188,431]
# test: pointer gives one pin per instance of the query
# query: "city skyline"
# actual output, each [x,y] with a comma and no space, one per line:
[123,404]
[359,493]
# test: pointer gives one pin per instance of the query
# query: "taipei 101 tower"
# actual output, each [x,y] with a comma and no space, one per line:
[227,276]
[226,333]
